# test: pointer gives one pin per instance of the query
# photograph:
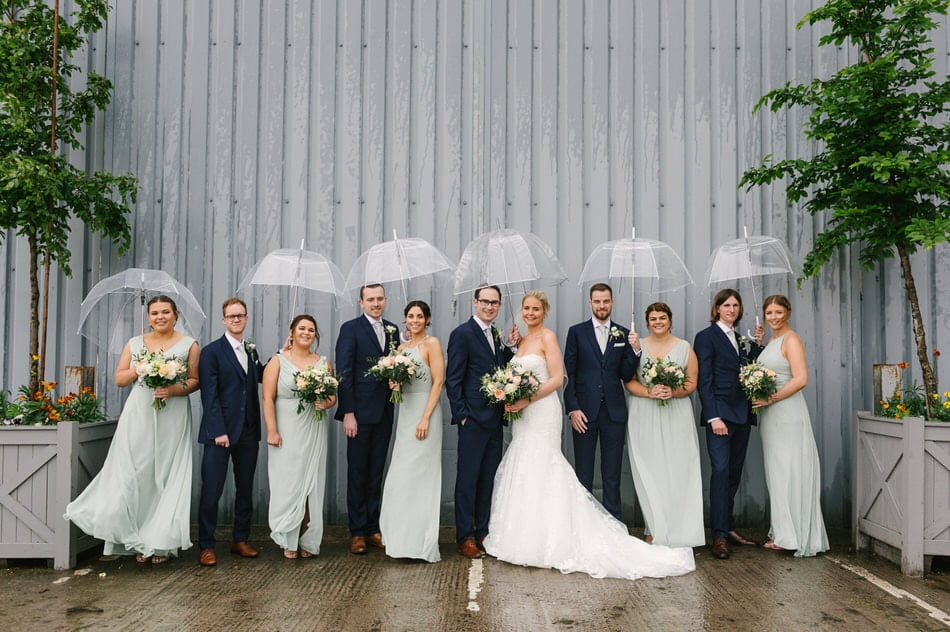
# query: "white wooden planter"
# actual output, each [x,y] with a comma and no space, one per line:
[901,488]
[42,468]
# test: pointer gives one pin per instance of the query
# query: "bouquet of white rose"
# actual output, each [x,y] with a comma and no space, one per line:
[398,367]
[663,372]
[156,370]
[757,381]
[507,385]
[313,384]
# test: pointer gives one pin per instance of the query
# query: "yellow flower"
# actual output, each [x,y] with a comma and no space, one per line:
[946,404]
[34,357]
[885,405]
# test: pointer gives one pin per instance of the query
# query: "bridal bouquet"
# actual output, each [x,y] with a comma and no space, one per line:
[156,370]
[663,372]
[398,367]
[507,385]
[757,381]
[313,384]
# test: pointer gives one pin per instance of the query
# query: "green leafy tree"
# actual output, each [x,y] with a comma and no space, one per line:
[879,176]
[41,113]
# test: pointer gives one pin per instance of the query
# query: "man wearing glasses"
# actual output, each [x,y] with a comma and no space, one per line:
[475,348]
[229,372]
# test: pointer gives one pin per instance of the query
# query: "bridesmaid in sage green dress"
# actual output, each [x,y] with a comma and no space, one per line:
[296,446]
[140,502]
[409,517]
[662,440]
[792,471]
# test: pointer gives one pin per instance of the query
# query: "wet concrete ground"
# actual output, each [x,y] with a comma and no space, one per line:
[754,590]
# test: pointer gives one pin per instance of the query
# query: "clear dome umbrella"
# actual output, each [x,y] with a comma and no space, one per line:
[505,257]
[397,260]
[653,266]
[749,258]
[295,268]
[114,309]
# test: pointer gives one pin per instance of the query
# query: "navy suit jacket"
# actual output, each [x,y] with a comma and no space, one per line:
[229,396]
[719,391]
[469,358]
[357,349]
[593,376]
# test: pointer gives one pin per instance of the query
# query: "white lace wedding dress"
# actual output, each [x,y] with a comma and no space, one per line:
[542,516]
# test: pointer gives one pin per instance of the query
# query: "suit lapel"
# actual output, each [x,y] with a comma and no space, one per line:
[480,334]
[724,339]
[368,330]
[592,341]
[232,360]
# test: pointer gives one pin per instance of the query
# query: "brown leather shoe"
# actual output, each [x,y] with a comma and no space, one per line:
[243,549]
[480,543]
[735,538]
[207,557]
[720,549]
[376,540]
[358,545]
[469,549]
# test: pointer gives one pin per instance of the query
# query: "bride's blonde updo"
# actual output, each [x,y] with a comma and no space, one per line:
[541,297]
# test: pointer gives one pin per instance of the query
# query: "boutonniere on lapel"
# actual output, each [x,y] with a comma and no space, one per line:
[496,335]
[251,349]
[391,336]
[743,342]
[615,333]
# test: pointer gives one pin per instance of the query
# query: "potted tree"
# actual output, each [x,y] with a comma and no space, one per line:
[880,179]
[44,109]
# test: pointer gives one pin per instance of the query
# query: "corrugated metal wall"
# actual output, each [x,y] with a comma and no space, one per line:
[251,125]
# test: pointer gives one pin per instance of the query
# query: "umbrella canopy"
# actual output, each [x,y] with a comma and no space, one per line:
[114,309]
[745,258]
[506,256]
[397,260]
[748,258]
[295,268]
[653,264]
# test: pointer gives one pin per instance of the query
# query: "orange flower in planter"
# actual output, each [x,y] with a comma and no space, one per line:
[902,365]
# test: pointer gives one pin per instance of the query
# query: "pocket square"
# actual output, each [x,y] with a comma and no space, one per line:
[619,344]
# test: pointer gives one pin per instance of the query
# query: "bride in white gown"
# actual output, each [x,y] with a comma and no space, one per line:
[540,513]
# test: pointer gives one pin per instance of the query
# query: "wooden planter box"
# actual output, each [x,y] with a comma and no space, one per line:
[42,468]
[901,487]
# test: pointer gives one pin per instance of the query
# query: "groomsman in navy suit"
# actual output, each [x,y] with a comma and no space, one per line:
[598,359]
[475,348]
[367,416]
[229,371]
[726,412]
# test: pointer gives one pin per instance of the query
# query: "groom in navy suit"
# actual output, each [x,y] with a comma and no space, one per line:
[475,348]
[229,371]
[726,412]
[367,416]
[598,359]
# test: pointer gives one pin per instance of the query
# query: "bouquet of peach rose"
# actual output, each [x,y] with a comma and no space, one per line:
[663,372]
[156,370]
[397,367]
[313,384]
[507,385]
[757,381]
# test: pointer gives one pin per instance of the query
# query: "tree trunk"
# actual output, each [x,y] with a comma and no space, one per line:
[930,380]
[34,314]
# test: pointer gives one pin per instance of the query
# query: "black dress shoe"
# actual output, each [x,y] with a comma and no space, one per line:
[720,549]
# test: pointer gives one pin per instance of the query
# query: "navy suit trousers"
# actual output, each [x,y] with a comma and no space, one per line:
[479,453]
[214,472]
[612,437]
[365,465]
[726,456]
